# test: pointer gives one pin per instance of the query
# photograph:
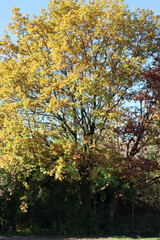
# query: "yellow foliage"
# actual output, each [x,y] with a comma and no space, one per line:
[63,79]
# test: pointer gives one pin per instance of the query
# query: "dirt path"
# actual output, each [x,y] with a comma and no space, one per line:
[46,238]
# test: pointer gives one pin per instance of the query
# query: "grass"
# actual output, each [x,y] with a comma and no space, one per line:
[125,238]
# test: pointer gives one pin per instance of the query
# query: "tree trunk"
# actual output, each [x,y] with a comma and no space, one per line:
[86,197]
[132,216]
[112,208]
[113,204]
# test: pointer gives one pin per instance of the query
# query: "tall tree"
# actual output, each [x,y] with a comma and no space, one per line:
[64,80]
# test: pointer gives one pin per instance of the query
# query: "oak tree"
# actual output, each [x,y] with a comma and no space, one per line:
[65,79]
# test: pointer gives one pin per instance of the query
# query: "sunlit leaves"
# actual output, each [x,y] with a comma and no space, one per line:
[64,81]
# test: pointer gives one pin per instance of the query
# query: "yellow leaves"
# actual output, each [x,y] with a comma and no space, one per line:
[18,146]
[16,10]
[24,205]
[25,184]
[59,169]
[56,104]
[26,104]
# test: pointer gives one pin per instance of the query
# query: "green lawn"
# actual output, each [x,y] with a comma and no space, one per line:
[124,238]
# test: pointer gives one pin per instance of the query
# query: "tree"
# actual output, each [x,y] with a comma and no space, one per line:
[138,165]
[63,84]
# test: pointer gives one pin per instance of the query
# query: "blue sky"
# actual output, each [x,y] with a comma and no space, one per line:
[34,6]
